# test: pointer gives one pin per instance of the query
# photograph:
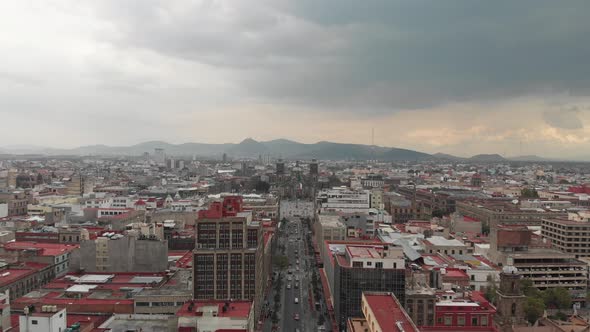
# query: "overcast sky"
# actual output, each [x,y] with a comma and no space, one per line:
[461,77]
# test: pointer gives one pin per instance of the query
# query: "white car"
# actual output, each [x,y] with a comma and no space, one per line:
[296,300]
[288,286]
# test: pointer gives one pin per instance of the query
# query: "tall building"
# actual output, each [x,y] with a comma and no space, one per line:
[313,168]
[568,236]
[365,268]
[159,156]
[75,187]
[227,260]
[280,167]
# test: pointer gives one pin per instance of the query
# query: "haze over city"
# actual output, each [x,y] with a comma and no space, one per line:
[458,77]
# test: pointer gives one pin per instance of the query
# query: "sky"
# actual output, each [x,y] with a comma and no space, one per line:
[460,77]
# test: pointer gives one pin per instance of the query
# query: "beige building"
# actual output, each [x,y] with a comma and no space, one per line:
[569,236]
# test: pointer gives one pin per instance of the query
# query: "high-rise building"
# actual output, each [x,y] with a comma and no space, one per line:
[280,168]
[75,186]
[365,268]
[313,168]
[227,260]
[159,156]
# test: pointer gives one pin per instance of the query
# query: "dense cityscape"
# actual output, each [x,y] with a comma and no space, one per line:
[160,242]
[294,166]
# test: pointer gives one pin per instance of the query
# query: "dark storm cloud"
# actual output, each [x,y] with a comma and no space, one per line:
[373,55]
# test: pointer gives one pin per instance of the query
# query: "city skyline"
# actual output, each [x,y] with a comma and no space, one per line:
[512,82]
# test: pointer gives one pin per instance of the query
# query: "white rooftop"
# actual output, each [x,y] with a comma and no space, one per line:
[81,288]
[441,241]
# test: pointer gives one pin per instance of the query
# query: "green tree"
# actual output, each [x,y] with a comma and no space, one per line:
[436,213]
[558,297]
[528,288]
[281,262]
[529,193]
[492,287]
[262,187]
[533,309]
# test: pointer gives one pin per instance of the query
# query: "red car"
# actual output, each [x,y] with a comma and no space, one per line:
[296,316]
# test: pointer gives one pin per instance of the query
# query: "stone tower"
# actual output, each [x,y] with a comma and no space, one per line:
[510,300]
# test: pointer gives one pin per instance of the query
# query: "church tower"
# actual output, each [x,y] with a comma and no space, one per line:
[510,300]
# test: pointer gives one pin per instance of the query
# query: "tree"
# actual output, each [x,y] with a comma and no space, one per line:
[529,289]
[490,293]
[533,309]
[436,213]
[529,193]
[564,181]
[262,187]
[558,297]
[281,262]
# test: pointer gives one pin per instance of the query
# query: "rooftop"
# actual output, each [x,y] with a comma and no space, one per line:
[233,309]
[389,313]
[44,249]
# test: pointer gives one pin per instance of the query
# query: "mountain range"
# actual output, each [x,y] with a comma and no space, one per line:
[278,148]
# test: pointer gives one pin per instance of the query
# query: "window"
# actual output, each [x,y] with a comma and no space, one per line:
[461,320]
[439,320]
[448,320]
[34,322]
[474,321]
[484,320]
[513,309]
[473,277]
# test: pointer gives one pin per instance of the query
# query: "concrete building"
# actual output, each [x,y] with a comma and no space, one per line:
[497,212]
[569,236]
[26,277]
[228,258]
[420,302]
[342,199]
[376,199]
[439,244]
[535,260]
[17,202]
[3,210]
[296,208]
[47,319]
[124,253]
[364,268]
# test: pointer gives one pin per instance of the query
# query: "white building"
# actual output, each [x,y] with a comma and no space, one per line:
[3,210]
[342,199]
[296,208]
[48,320]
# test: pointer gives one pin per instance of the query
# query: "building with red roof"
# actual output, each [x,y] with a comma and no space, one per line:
[57,255]
[471,313]
[382,313]
[215,315]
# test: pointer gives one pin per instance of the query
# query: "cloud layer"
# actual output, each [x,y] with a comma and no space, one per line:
[469,76]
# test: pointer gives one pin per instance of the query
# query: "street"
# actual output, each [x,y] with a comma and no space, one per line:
[297,311]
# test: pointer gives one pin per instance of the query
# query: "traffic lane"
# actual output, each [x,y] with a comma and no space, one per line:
[291,308]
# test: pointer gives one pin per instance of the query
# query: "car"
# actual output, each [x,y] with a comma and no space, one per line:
[296,300]
[290,271]
[297,262]
[296,278]
[296,268]
[296,316]
[289,278]
[296,285]
[288,286]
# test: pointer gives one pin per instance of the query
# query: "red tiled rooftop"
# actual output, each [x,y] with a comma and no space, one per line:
[45,249]
[388,312]
[236,309]
[11,275]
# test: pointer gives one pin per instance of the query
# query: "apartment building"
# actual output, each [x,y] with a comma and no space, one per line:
[228,258]
[569,236]
[342,199]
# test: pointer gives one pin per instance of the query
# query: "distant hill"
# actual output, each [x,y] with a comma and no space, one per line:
[248,148]
[529,158]
[487,158]
[446,156]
